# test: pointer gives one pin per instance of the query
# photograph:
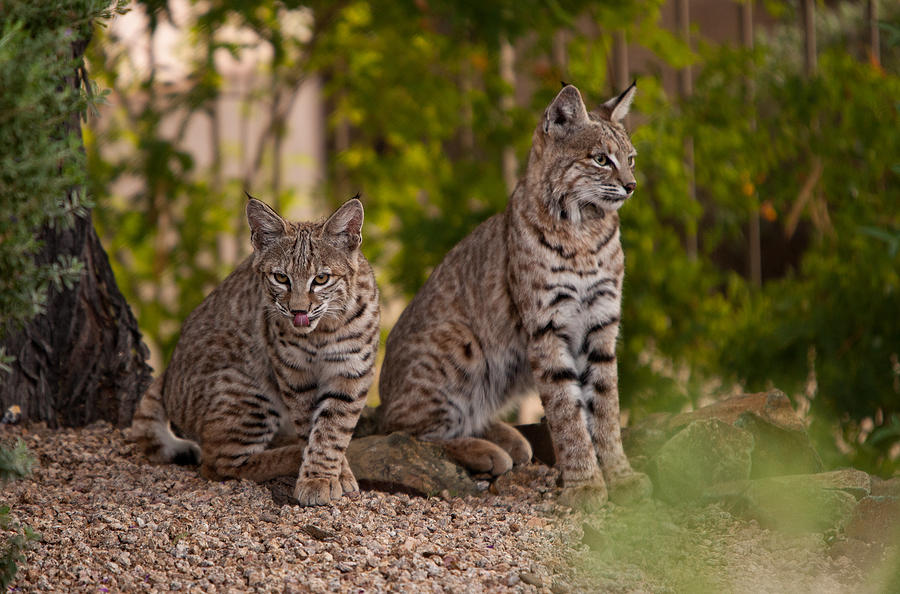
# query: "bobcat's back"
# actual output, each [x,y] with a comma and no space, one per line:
[454,356]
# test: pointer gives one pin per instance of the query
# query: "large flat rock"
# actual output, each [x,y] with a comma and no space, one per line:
[876,520]
[396,463]
[401,463]
[773,406]
[704,453]
[797,503]
[779,449]
[781,444]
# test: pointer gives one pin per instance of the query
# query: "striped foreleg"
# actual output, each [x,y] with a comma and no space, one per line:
[557,381]
[325,474]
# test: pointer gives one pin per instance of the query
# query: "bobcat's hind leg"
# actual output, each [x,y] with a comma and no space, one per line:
[479,455]
[238,437]
[258,466]
[513,443]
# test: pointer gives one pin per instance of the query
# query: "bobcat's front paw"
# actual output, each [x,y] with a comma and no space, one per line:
[317,491]
[630,488]
[583,490]
[347,480]
[588,497]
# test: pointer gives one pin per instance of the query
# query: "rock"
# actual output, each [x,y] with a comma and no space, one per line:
[780,446]
[798,503]
[778,449]
[861,554]
[395,463]
[400,463]
[532,579]
[771,410]
[886,488]
[876,520]
[318,533]
[704,453]
[852,481]
[593,538]
[772,406]
[645,437]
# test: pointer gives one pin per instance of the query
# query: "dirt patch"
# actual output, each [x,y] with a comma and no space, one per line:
[110,521]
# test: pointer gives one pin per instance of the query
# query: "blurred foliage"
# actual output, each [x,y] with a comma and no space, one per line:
[822,147]
[414,85]
[42,179]
[419,118]
[695,547]
[41,166]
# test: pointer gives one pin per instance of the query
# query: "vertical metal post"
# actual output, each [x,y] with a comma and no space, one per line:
[620,62]
[560,51]
[874,34]
[683,23]
[809,35]
[753,231]
[508,74]
[620,78]
[685,88]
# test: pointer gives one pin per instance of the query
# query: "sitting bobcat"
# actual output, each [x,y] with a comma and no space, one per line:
[530,299]
[271,371]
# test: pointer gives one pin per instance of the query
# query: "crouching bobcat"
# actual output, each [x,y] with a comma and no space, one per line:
[530,299]
[271,371]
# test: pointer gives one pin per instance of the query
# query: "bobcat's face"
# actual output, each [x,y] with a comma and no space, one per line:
[587,158]
[306,281]
[307,269]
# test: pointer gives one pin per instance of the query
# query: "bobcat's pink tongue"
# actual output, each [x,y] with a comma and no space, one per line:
[301,319]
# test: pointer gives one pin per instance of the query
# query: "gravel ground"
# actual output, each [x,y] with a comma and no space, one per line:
[110,521]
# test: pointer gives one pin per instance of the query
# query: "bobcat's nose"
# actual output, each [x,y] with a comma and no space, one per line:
[629,187]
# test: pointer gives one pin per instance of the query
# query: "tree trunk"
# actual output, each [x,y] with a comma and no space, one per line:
[83,359]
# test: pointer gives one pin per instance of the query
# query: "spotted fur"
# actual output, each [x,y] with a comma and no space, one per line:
[271,371]
[530,299]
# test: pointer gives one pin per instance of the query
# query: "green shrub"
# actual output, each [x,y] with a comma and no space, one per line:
[42,169]
[14,463]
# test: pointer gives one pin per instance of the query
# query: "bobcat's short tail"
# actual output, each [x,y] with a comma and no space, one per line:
[151,429]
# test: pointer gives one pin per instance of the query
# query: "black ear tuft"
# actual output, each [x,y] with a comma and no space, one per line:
[356,196]
[564,84]
[617,108]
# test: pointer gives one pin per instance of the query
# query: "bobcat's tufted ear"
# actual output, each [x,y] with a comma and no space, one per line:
[266,226]
[565,113]
[346,223]
[617,108]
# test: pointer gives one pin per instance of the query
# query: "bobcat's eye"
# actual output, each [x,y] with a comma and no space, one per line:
[321,278]
[282,278]
[602,160]
[631,161]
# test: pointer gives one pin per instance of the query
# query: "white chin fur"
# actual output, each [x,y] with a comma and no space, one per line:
[608,204]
